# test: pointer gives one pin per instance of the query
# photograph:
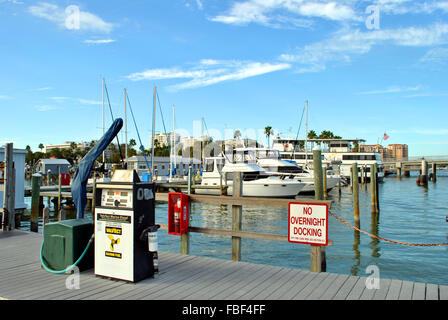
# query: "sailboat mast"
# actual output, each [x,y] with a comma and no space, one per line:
[125,128]
[172,155]
[153,134]
[306,135]
[104,155]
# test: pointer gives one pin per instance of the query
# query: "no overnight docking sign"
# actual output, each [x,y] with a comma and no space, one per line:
[308,223]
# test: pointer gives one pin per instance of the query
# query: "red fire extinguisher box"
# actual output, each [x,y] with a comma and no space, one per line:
[177,213]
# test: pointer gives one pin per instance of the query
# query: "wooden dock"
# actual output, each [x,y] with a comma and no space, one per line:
[188,277]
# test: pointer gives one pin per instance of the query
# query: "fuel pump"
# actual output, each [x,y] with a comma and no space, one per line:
[125,227]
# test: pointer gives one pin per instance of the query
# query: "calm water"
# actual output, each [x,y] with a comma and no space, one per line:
[408,213]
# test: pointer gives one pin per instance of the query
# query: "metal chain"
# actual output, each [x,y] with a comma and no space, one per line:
[388,240]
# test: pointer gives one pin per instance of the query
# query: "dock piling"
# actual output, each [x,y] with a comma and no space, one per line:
[185,238]
[9,190]
[355,191]
[35,201]
[373,195]
[324,181]
[318,261]
[434,172]
[237,214]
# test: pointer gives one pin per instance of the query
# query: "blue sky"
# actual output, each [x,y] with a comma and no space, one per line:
[239,64]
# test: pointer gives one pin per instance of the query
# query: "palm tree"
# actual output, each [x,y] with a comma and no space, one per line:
[268,132]
[41,146]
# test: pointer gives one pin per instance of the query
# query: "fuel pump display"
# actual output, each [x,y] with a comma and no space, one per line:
[124,216]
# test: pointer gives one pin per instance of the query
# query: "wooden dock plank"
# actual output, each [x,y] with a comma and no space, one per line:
[394,290]
[358,289]
[335,286]
[274,285]
[311,286]
[419,292]
[322,287]
[443,292]
[167,285]
[345,289]
[406,291]
[290,288]
[381,293]
[432,292]
[262,286]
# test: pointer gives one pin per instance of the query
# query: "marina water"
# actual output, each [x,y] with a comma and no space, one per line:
[408,213]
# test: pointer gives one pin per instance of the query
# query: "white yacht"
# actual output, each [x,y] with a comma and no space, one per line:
[256,181]
[337,153]
[271,161]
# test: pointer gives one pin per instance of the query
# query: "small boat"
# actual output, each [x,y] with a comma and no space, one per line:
[270,160]
[257,182]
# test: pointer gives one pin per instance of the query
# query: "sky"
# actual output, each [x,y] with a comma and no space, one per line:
[366,67]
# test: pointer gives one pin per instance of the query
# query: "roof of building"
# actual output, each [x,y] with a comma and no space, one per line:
[55,161]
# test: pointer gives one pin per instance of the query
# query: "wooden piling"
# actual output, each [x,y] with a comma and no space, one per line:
[373,196]
[355,191]
[9,190]
[422,180]
[324,181]
[185,238]
[434,172]
[339,180]
[318,261]
[58,210]
[35,201]
[237,215]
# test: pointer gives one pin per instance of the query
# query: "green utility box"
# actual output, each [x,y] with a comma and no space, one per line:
[65,241]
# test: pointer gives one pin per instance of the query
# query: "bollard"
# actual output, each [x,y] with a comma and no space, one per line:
[355,194]
[318,261]
[9,190]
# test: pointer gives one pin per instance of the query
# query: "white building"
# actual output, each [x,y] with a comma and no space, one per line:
[164,139]
[162,165]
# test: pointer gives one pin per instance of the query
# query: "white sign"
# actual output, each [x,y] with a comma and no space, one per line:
[308,223]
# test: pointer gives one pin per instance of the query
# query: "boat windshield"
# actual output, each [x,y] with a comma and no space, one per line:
[209,163]
[220,164]
[245,157]
[268,154]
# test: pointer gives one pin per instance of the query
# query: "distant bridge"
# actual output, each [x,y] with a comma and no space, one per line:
[414,164]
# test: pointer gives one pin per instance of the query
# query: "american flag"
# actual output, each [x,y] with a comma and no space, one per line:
[385,137]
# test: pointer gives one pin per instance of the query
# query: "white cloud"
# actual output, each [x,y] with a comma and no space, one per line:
[208,72]
[44,89]
[100,41]
[394,89]
[399,7]
[87,21]
[344,44]
[436,55]
[276,13]
[44,108]
[92,102]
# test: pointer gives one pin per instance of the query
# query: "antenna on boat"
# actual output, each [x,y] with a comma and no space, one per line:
[153,133]
[306,135]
